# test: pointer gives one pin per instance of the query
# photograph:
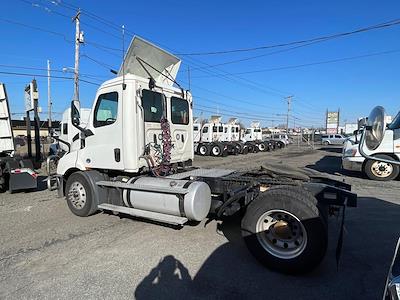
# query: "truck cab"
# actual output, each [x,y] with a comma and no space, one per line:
[128,113]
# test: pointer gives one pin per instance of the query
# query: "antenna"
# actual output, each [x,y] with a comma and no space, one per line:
[123,57]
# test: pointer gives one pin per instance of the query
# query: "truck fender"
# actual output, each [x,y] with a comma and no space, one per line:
[94,176]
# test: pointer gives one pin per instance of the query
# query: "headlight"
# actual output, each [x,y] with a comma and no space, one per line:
[350,152]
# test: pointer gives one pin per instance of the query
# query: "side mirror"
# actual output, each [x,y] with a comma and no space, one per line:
[75,112]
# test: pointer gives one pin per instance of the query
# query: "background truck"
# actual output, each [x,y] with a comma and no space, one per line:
[135,158]
[254,140]
[15,173]
[217,139]
[388,148]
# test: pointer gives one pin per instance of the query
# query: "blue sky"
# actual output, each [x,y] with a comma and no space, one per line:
[355,86]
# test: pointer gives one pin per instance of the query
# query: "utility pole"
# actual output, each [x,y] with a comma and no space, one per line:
[36,120]
[289,100]
[49,104]
[78,41]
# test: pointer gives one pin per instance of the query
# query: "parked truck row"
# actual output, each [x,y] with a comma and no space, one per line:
[215,138]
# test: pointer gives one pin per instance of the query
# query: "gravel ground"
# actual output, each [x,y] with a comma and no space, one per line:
[47,252]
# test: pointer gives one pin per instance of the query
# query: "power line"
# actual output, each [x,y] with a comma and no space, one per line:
[43,69]
[241,113]
[335,60]
[320,38]
[42,75]
[102,64]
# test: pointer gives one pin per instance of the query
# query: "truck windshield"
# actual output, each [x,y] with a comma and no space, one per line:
[395,123]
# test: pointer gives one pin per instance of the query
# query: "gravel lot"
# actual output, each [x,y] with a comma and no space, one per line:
[47,252]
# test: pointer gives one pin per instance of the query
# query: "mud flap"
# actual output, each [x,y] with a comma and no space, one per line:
[22,179]
[340,239]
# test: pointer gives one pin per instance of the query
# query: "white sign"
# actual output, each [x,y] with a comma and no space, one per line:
[29,98]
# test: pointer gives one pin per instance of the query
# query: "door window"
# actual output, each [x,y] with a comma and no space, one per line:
[106,109]
[179,111]
[153,107]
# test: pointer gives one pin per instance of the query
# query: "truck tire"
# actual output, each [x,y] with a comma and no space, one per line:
[381,171]
[203,150]
[284,229]
[245,150]
[262,147]
[217,150]
[79,195]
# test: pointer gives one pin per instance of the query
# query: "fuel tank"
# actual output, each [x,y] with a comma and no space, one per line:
[190,199]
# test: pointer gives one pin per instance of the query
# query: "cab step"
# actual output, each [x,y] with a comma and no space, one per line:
[163,218]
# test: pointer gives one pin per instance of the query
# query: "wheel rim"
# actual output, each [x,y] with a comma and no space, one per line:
[261,147]
[281,234]
[77,195]
[203,150]
[381,169]
[216,151]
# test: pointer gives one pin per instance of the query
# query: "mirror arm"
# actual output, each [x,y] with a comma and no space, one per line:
[365,155]
[86,132]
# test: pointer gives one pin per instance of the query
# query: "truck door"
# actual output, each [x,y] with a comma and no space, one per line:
[103,148]
[154,105]
[180,125]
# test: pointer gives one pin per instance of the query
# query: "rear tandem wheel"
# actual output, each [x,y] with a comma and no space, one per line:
[284,229]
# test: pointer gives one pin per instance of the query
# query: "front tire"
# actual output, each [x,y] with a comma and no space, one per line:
[284,229]
[381,171]
[79,195]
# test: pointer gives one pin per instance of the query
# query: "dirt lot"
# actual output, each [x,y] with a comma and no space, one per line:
[47,252]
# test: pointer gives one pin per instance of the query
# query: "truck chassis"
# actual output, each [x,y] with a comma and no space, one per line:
[284,214]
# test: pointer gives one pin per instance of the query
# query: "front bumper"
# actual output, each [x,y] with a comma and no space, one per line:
[353,163]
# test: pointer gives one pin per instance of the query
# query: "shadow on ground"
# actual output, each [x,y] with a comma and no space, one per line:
[230,272]
[334,149]
[332,164]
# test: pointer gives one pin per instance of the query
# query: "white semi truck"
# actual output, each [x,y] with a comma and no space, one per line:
[254,140]
[134,154]
[389,148]
[217,139]
[15,173]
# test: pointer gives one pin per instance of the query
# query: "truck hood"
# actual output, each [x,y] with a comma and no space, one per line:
[159,59]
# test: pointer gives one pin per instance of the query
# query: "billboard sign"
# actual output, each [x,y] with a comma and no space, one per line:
[29,103]
[332,122]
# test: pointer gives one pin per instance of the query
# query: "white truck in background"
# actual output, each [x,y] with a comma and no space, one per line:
[134,157]
[253,138]
[216,138]
[68,132]
[352,160]
[15,173]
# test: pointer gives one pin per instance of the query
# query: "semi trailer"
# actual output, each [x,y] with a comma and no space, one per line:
[134,156]
[15,173]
